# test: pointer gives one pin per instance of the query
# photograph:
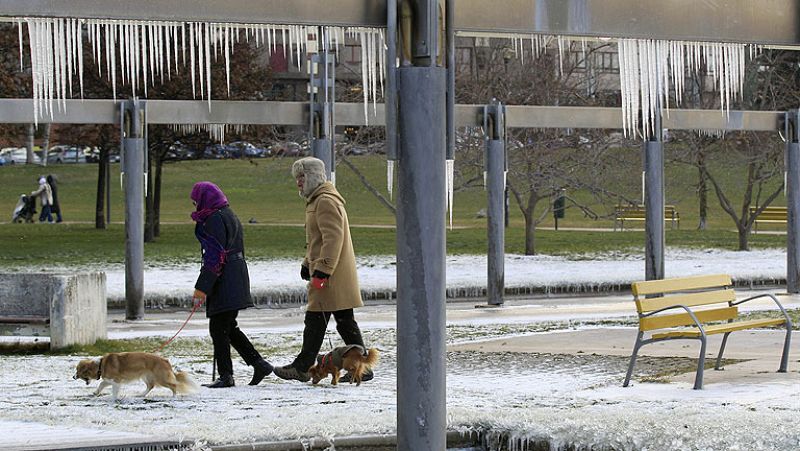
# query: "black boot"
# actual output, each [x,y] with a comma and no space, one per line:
[222,382]
[261,369]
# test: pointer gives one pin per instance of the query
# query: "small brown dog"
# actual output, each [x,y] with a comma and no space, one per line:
[116,369]
[352,358]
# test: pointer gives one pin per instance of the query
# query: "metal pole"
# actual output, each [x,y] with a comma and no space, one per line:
[654,206]
[451,78]
[108,190]
[320,115]
[793,201]
[421,420]
[391,80]
[495,186]
[421,362]
[133,147]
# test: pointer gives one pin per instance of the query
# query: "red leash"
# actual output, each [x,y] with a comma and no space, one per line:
[194,309]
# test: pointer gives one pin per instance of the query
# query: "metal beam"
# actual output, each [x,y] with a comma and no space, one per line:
[20,111]
[771,22]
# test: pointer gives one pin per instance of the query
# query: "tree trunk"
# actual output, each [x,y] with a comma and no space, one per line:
[149,216]
[29,145]
[102,168]
[46,144]
[530,233]
[157,197]
[744,237]
[702,191]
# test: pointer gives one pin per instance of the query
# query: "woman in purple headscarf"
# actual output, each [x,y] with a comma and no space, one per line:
[224,283]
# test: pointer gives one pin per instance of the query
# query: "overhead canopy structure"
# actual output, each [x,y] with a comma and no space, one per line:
[765,22]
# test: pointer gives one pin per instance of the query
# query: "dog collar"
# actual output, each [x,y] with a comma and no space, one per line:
[99,368]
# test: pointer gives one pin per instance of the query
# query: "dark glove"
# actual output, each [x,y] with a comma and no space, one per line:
[304,274]
[319,280]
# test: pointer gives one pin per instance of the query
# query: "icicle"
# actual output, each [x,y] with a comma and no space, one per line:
[191,57]
[364,80]
[113,31]
[450,167]
[390,177]
[227,38]
[69,38]
[333,177]
[208,66]
[19,33]
[169,36]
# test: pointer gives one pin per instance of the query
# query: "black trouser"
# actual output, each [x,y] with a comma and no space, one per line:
[316,323]
[225,333]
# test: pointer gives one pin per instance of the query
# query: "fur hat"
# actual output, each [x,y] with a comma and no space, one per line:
[314,171]
[42,180]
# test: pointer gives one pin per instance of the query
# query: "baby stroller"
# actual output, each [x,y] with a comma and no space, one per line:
[25,209]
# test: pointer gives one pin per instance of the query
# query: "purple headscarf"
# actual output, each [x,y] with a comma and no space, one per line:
[209,199]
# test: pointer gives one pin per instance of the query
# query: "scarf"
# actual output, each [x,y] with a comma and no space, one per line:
[209,198]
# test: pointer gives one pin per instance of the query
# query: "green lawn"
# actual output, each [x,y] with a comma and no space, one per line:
[264,191]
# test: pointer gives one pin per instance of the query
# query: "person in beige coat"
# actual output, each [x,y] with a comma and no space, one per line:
[45,195]
[329,266]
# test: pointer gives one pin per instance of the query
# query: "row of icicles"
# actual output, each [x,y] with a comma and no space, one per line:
[138,53]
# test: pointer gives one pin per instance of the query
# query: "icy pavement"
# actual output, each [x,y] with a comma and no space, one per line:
[559,398]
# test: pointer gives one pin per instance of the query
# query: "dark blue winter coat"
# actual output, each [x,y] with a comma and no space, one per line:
[223,277]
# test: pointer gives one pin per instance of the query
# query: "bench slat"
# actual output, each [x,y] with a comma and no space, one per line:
[688,299]
[722,328]
[683,319]
[680,284]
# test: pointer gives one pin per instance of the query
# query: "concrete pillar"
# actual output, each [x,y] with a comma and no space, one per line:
[793,201]
[654,205]
[133,166]
[421,363]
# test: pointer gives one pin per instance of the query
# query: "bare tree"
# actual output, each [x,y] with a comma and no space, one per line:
[771,84]
[541,162]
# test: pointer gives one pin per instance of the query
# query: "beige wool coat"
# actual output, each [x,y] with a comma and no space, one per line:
[329,249]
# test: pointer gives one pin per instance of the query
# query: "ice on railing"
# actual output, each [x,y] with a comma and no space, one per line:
[145,51]
[215,131]
[648,68]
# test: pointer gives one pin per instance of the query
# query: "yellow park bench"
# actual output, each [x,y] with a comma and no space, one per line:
[770,215]
[638,213]
[693,308]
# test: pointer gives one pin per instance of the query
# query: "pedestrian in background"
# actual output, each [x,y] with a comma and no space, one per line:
[45,198]
[224,282]
[56,207]
[330,267]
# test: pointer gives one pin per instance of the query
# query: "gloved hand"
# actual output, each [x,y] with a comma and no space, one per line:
[198,298]
[304,274]
[319,280]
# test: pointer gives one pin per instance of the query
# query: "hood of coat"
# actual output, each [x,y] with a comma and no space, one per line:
[313,169]
[325,188]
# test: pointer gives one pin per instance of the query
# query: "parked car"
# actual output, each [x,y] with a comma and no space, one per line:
[180,151]
[239,149]
[3,161]
[215,151]
[68,154]
[287,149]
[20,156]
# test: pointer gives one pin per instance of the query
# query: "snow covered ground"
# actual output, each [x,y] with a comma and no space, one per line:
[466,275]
[560,398]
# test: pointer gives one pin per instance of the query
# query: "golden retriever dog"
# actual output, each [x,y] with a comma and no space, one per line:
[115,369]
[352,358]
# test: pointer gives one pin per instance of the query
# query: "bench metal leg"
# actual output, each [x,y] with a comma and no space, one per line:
[698,379]
[633,359]
[786,343]
[721,350]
